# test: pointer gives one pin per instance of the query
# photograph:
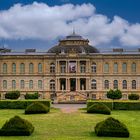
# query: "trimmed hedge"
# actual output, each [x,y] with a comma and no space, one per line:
[99,108]
[12,95]
[37,108]
[133,96]
[107,103]
[118,105]
[17,126]
[32,95]
[21,104]
[111,128]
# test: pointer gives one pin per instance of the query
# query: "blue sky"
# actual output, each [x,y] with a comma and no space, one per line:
[107,23]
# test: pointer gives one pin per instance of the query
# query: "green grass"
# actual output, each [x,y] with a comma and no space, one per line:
[71,126]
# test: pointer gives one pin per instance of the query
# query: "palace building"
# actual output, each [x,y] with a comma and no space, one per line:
[73,70]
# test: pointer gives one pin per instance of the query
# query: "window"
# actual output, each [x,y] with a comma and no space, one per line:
[82,67]
[115,84]
[124,84]
[124,67]
[52,68]
[133,67]
[124,96]
[134,84]
[31,68]
[4,84]
[94,96]
[13,84]
[106,84]
[22,68]
[52,85]
[4,68]
[40,84]
[22,84]
[63,67]
[115,67]
[106,67]
[39,68]
[31,84]
[14,68]
[93,84]
[93,68]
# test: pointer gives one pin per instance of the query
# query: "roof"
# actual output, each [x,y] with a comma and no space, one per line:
[73,43]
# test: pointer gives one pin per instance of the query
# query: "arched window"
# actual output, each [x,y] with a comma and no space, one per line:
[93,68]
[106,68]
[13,84]
[14,68]
[39,68]
[52,84]
[115,67]
[4,84]
[93,84]
[31,84]
[133,67]
[106,84]
[22,68]
[124,67]
[4,68]
[124,84]
[40,84]
[22,84]
[134,84]
[31,68]
[115,84]
[52,68]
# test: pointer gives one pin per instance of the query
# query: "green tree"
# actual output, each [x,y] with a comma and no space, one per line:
[114,95]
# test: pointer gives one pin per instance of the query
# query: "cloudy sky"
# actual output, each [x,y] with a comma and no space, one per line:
[40,24]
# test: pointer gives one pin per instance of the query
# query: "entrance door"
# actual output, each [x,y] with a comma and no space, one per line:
[73,84]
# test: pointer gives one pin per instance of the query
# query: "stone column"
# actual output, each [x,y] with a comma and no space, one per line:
[68,85]
[77,84]
[67,66]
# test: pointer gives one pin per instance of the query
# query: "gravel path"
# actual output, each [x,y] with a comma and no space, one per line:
[69,108]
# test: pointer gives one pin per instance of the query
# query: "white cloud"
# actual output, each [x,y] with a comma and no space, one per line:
[40,21]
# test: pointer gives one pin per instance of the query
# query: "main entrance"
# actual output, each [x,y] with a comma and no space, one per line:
[73,84]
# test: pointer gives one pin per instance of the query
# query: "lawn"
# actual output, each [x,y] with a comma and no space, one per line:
[71,126]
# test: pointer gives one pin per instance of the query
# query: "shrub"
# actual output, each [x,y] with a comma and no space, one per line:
[32,96]
[111,128]
[21,104]
[99,108]
[12,95]
[114,94]
[37,108]
[118,105]
[108,103]
[133,96]
[17,126]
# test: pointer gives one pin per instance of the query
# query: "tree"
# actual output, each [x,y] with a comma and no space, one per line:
[114,94]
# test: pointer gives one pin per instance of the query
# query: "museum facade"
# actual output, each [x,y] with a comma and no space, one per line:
[72,70]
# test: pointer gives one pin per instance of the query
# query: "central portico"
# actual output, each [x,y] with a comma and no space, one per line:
[72,68]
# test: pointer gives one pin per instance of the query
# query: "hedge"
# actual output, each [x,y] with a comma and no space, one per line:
[17,126]
[111,128]
[32,95]
[37,108]
[107,103]
[12,95]
[99,108]
[118,105]
[21,104]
